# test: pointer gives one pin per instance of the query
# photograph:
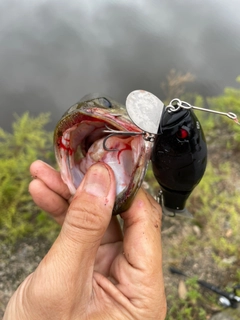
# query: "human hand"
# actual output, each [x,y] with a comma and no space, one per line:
[92,271]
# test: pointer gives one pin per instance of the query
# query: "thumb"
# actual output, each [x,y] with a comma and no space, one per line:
[88,216]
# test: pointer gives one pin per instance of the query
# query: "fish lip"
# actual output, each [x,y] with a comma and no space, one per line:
[120,121]
[116,121]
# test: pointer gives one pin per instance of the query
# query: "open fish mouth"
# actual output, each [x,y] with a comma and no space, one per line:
[81,140]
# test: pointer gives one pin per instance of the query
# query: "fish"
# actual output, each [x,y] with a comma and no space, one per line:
[79,140]
[179,159]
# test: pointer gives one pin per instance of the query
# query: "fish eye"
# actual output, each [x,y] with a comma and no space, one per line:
[105,102]
[182,133]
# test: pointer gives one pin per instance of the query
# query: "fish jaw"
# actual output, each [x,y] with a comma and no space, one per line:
[78,144]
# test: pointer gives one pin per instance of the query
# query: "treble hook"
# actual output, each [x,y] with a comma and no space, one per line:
[117,133]
[176,104]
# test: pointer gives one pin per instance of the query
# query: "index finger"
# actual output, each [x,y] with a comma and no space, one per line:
[142,233]
[51,178]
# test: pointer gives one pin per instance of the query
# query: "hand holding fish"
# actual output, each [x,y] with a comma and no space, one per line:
[48,181]
[92,271]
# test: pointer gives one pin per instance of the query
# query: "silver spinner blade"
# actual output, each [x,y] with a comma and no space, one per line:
[145,110]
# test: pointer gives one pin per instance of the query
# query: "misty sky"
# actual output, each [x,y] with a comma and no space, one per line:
[53,52]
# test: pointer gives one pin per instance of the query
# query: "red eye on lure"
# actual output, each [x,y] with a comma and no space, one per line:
[182,134]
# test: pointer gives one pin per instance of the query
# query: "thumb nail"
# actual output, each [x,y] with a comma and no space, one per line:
[97,180]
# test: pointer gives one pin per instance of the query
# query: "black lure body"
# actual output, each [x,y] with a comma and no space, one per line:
[179,158]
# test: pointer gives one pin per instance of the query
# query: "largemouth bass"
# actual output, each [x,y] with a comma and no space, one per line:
[79,143]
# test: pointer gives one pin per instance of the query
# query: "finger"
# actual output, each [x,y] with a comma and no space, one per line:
[110,247]
[50,177]
[113,232]
[87,219]
[142,236]
[48,200]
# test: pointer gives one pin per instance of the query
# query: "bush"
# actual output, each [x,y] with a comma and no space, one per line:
[27,142]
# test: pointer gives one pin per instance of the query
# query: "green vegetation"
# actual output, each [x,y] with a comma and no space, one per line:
[28,141]
[191,307]
[215,203]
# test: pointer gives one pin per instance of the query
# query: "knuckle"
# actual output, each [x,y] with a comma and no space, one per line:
[88,216]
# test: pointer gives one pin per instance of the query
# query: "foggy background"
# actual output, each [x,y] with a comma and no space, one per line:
[53,52]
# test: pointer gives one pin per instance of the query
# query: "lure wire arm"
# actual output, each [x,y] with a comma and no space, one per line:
[176,104]
[146,136]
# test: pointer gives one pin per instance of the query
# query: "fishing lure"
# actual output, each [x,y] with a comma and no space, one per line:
[179,154]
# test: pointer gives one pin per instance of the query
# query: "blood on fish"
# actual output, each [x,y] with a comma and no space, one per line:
[62,146]
[127,147]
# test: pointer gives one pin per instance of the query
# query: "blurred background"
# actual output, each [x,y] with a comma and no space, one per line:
[53,52]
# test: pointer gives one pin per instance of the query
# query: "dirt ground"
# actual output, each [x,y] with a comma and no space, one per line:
[16,264]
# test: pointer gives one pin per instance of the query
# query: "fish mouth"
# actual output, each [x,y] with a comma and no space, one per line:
[79,143]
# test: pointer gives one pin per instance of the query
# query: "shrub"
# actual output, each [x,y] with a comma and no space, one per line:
[27,142]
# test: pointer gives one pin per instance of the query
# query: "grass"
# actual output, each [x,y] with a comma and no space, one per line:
[190,307]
